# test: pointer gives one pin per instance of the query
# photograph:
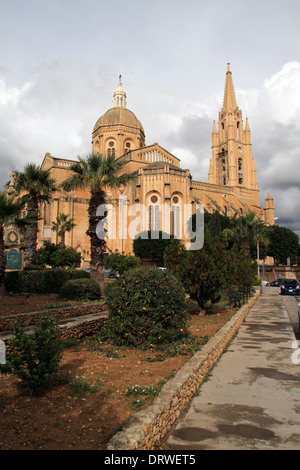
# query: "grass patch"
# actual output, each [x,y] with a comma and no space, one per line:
[143,394]
[78,387]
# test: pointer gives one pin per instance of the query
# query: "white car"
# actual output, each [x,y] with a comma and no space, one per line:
[265,283]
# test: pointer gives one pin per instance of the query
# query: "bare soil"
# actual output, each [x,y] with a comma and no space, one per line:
[89,401]
[11,305]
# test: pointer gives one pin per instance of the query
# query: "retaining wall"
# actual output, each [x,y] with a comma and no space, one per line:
[146,429]
[78,327]
[32,318]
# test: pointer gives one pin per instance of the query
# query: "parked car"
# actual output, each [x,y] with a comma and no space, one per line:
[289,287]
[265,283]
[110,273]
[277,283]
[106,272]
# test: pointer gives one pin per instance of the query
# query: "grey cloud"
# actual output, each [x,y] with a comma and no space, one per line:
[54,113]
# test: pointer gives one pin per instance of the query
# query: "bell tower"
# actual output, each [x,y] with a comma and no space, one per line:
[232,163]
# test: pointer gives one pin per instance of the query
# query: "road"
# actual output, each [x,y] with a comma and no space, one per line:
[291,304]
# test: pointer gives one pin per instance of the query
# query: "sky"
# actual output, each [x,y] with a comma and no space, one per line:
[60,61]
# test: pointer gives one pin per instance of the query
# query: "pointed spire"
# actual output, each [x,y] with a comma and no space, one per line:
[214,131]
[247,128]
[229,101]
[119,95]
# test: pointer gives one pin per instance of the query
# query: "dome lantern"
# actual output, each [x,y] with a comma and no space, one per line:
[119,96]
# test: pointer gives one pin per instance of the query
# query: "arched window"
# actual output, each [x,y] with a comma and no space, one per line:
[154,217]
[176,230]
[154,214]
[176,218]
[127,147]
[111,149]
[223,132]
[238,130]
[47,214]
[240,170]
[224,171]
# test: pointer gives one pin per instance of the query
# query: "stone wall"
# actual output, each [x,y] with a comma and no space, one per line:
[32,318]
[148,427]
[90,319]
[83,326]
[75,328]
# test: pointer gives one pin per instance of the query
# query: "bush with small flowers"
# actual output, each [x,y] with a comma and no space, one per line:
[146,308]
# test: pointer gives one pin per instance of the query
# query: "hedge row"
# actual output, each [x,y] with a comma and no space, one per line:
[41,281]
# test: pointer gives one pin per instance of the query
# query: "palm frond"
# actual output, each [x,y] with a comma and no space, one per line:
[95,172]
[35,181]
[10,208]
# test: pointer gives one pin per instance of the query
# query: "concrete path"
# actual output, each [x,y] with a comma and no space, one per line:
[252,397]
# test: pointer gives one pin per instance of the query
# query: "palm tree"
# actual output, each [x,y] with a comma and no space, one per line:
[260,235]
[61,226]
[250,228]
[38,186]
[96,172]
[9,210]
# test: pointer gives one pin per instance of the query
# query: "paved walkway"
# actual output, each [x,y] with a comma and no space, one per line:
[252,397]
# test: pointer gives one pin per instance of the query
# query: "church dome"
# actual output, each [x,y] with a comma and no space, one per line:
[119,116]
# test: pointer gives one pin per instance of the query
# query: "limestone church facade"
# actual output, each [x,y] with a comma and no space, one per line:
[231,189]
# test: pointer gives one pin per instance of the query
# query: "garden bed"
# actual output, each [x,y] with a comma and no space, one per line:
[31,309]
[90,402]
[11,305]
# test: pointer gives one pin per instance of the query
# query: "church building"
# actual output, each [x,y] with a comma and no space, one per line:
[160,181]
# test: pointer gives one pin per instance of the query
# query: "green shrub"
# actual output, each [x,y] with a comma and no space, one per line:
[65,257]
[202,272]
[41,281]
[146,307]
[44,253]
[12,283]
[151,245]
[206,273]
[80,289]
[57,256]
[35,358]
[120,263]
[257,281]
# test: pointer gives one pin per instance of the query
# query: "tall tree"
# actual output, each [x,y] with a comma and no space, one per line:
[10,209]
[96,172]
[249,233]
[38,186]
[283,245]
[61,226]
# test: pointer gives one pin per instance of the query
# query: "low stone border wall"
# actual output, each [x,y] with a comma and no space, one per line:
[32,318]
[84,326]
[75,328]
[146,429]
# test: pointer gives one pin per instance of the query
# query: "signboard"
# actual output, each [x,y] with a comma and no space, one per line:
[13,259]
